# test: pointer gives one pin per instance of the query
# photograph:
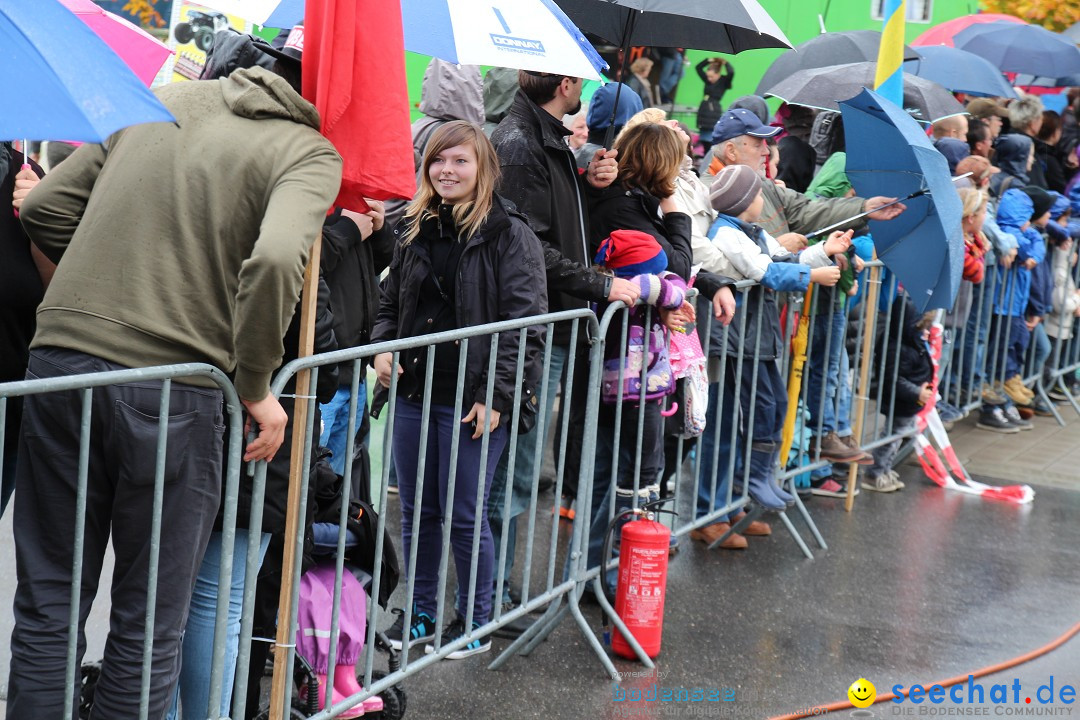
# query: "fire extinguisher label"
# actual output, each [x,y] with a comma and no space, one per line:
[643,577]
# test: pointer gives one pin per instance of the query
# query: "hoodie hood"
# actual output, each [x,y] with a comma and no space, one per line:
[500,86]
[453,92]
[1014,209]
[259,94]
[1011,154]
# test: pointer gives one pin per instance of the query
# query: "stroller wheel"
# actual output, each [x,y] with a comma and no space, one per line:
[394,700]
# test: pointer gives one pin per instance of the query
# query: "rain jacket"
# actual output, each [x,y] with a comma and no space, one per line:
[211,262]
[539,176]
[449,92]
[500,87]
[1060,321]
[1011,155]
[913,367]
[743,251]
[1014,285]
[500,277]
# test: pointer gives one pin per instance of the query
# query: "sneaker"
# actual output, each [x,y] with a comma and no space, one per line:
[831,447]
[883,483]
[829,487]
[391,489]
[1057,394]
[1041,408]
[949,412]
[990,396]
[864,458]
[992,418]
[514,629]
[896,479]
[422,629]
[455,631]
[1013,416]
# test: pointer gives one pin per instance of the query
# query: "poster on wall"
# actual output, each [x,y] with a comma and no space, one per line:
[191,35]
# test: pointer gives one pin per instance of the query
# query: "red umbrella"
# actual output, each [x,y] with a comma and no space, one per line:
[139,50]
[943,33]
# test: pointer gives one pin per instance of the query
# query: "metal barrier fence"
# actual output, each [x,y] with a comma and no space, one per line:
[82,388]
[567,569]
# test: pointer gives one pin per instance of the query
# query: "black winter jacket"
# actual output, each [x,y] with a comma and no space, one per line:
[500,277]
[913,367]
[351,267]
[540,177]
[710,109]
[617,208]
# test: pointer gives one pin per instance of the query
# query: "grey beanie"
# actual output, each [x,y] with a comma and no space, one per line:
[734,188]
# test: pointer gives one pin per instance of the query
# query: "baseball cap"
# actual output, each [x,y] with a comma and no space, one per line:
[983,108]
[291,49]
[741,121]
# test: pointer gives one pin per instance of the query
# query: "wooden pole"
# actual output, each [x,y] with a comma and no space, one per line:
[282,668]
[873,290]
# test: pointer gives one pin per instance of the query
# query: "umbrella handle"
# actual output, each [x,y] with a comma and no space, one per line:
[853,218]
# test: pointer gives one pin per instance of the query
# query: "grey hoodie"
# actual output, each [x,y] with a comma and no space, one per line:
[187,242]
[449,92]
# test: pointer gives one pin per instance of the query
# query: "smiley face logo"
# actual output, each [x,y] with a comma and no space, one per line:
[862,693]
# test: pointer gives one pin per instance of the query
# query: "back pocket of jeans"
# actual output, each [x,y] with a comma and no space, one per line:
[136,433]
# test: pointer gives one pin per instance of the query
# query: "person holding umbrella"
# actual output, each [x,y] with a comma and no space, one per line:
[140,285]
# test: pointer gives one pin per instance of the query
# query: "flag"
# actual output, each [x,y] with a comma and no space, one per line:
[889,80]
[354,74]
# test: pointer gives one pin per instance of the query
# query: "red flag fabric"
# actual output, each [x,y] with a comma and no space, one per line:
[354,73]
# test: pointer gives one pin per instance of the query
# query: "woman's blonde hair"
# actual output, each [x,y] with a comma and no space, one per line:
[469,216]
[648,115]
[638,66]
[650,156]
[973,201]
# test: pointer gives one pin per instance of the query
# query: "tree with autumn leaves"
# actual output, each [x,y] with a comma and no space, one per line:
[1056,15]
[146,12]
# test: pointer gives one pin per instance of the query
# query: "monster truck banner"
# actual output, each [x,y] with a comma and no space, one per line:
[191,35]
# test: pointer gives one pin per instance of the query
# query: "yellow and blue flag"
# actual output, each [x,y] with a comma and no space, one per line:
[889,80]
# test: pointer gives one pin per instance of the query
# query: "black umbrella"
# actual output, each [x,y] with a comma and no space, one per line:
[727,26]
[823,88]
[833,48]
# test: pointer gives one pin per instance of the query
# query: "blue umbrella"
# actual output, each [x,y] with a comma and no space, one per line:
[63,81]
[959,71]
[888,153]
[1021,48]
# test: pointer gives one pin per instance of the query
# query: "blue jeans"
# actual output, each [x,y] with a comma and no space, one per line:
[972,366]
[432,505]
[526,462]
[652,459]
[193,690]
[1010,339]
[671,71]
[717,439]
[824,372]
[335,415]
[1041,350]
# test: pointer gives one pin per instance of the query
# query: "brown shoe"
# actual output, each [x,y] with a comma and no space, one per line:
[711,533]
[755,529]
[831,447]
[864,458]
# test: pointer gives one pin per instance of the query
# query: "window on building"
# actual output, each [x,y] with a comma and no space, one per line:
[917,10]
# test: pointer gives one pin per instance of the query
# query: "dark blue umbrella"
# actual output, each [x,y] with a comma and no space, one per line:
[888,153]
[1021,48]
[63,82]
[960,71]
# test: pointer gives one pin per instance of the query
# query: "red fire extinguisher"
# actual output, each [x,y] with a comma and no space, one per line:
[639,596]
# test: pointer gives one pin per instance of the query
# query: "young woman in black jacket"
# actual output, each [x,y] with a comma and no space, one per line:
[463,259]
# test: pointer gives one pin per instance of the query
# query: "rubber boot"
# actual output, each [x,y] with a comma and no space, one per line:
[336,697]
[760,482]
[774,449]
[346,683]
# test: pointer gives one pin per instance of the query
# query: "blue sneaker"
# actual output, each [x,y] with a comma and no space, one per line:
[455,631]
[421,629]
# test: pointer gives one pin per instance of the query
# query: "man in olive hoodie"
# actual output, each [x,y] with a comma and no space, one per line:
[176,243]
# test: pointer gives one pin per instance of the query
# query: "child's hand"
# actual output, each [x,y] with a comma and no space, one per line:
[827,276]
[1032,322]
[838,242]
[854,289]
[724,305]
[677,320]
[925,394]
[1030,263]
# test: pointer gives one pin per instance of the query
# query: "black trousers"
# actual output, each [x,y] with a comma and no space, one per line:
[119,501]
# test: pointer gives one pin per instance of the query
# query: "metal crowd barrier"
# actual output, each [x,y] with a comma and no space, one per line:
[84,385]
[565,572]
